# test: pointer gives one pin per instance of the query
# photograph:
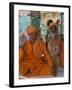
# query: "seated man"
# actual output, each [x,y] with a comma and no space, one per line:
[34,59]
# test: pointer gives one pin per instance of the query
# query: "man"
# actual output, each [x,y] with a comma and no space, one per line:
[55,47]
[34,59]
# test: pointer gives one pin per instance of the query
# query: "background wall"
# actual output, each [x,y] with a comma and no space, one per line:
[4,44]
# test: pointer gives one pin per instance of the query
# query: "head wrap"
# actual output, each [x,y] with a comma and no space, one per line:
[31,29]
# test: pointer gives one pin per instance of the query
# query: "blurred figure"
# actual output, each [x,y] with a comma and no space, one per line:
[24,22]
[23,36]
[55,47]
[48,23]
[34,60]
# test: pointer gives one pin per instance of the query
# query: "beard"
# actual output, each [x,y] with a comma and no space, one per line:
[53,33]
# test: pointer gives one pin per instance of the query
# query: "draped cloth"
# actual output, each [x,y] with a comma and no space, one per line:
[34,60]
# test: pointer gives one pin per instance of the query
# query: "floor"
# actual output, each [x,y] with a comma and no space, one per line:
[60,73]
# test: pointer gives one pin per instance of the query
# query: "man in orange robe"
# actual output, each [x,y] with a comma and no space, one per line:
[34,59]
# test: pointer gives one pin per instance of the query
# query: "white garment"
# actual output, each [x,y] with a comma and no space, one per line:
[23,36]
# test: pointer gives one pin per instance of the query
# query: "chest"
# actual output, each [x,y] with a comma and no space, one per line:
[53,45]
[33,49]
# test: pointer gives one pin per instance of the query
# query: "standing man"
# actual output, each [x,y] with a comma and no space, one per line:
[55,47]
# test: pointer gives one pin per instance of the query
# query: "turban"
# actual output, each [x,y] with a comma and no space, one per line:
[31,29]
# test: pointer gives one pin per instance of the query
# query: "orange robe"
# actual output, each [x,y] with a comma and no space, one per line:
[31,62]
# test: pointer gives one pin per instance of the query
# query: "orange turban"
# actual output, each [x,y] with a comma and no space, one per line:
[31,29]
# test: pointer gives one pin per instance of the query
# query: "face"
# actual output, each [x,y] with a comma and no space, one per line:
[33,36]
[53,29]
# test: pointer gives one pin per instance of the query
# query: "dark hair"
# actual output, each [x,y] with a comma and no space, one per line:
[57,22]
[49,21]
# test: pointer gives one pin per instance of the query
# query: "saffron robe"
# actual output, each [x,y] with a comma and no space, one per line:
[34,60]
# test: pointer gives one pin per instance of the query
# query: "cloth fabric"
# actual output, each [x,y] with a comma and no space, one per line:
[34,60]
[55,47]
[23,36]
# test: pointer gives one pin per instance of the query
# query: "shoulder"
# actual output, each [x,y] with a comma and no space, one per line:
[26,43]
